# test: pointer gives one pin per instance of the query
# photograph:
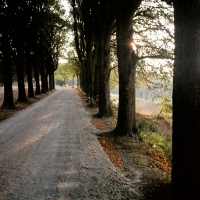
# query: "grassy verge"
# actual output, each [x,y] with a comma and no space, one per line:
[153,135]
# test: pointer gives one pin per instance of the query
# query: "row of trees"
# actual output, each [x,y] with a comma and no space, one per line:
[31,37]
[95,23]
[103,30]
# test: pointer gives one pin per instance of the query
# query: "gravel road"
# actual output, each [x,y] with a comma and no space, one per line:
[50,151]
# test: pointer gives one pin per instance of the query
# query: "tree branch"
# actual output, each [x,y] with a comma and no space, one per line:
[155,57]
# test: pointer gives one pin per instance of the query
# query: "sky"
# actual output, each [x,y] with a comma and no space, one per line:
[66,5]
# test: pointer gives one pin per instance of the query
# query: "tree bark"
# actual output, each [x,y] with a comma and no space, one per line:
[7,73]
[104,75]
[21,86]
[30,82]
[20,72]
[83,77]
[89,41]
[29,77]
[43,79]
[127,60]
[186,102]
[96,84]
[51,81]
[37,80]
[47,82]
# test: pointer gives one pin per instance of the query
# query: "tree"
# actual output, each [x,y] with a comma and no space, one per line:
[92,38]
[154,41]
[31,36]
[80,43]
[103,11]
[127,60]
[6,57]
[134,45]
[186,101]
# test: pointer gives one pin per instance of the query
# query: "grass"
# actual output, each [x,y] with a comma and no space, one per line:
[151,133]
[153,128]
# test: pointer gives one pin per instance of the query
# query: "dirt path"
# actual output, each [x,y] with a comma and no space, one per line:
[49,151]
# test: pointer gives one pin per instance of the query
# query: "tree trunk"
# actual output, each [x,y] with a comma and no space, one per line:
[186,102]
[19,58]
[96,84]
[104,76]
[43,79]
[83,77]
[21,85]
[127,60]
[20,77]
[51,81]
[47,82]
[37,80]
[30,82]
[7,74]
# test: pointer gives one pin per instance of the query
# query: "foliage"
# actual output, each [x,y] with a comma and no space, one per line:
[70,69]
[165,108]
[154,44]
[114,78]
[151,134]
[62,73]
[32,34]
[166,104]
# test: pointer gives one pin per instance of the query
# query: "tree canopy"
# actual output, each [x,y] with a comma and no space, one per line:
[31,37]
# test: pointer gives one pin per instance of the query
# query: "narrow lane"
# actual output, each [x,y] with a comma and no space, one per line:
[49,151]
[37,146]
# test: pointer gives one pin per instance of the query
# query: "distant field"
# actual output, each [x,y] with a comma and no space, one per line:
[143,106]
[147,107]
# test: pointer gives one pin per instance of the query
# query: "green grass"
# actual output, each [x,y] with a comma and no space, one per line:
[152,135]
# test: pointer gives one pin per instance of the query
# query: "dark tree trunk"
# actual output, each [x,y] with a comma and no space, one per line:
[186,102]
[47,82]
[96,84]
[83,78]
[104,19]
[19,58]
[20,75]
[88,46]
[104,76]
[43,79]
[30,82]
[90,74]
[37,80]
[87,79]
[127,60]
[21,85]
[7,74]
[51,81]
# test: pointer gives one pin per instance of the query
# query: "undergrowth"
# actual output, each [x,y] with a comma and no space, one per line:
[152,135]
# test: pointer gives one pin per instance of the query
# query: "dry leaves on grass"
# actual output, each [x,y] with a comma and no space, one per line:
[88,109]
[160,161]
[108,144]
[98,124]
[110,123]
